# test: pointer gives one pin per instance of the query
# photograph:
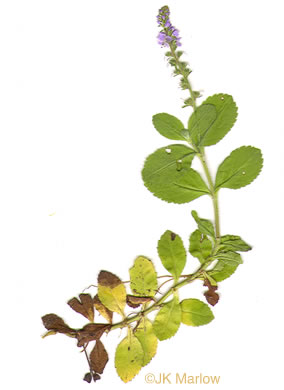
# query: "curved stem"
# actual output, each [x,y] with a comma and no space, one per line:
[158,303]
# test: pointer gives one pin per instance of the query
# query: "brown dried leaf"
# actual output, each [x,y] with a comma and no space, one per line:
[211,296]
[108,279]
[96,377]
[104,311]
[85,307]
[88,377]
[54,323]
[134,301]
[91,332]
[98,357]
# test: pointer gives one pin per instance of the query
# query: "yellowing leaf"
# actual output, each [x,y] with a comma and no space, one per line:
[104,311]
[129,357]
[143,277]
[148,340]
[167,320]
[195,312]
[111,292]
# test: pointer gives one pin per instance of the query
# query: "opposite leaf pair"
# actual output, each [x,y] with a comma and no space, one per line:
[167,173]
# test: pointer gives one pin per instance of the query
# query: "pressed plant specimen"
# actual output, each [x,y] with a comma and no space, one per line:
[168,174]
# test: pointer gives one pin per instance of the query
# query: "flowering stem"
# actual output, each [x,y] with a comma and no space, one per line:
[201,152]
[184,75]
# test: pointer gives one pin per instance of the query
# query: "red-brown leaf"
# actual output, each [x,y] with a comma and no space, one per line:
[91,332]
[211,296]
[85,307]
[98,357]
[55,323]
[134,301]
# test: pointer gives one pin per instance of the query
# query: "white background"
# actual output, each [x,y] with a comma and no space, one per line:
[80,81]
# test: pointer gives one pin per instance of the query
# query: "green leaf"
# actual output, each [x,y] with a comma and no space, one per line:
[200,121]
[129,357]
[234,243]
[200,246]
[111,292]
[143,277]
[213,119]
[195,312]
[240,168]
[167,320]
[145,334]
[172,253]
[193,183]
[226,266]
[167,174]
[204,225]
[169,126]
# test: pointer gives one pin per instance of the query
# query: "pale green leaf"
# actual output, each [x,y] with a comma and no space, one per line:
[172,253]
[204,225]
[226,266]
[240,168]
[111,292]
[129,357]
[143,277]
[169,126]
[208,126]
[167,320]
[234,243]
[145,334]
[200,246]
[167,174]
[195,312]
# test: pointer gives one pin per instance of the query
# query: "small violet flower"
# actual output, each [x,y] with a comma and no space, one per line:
[168,34]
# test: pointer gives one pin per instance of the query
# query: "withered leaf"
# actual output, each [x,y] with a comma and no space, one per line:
[91,332]
[88,377]
[96,377]
[134,301]
[56,324]
[98,357]
[112,292]
[85,307]
[211,296]
[108,279]
[104,311]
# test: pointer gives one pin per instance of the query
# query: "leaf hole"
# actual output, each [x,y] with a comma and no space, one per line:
[168,150]
[222,98]
[243,173]
[179,165]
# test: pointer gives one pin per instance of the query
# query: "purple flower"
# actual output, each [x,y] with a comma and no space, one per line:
[168,34]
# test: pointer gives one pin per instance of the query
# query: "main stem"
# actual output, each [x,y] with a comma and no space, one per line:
[214,195]
[201,152]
